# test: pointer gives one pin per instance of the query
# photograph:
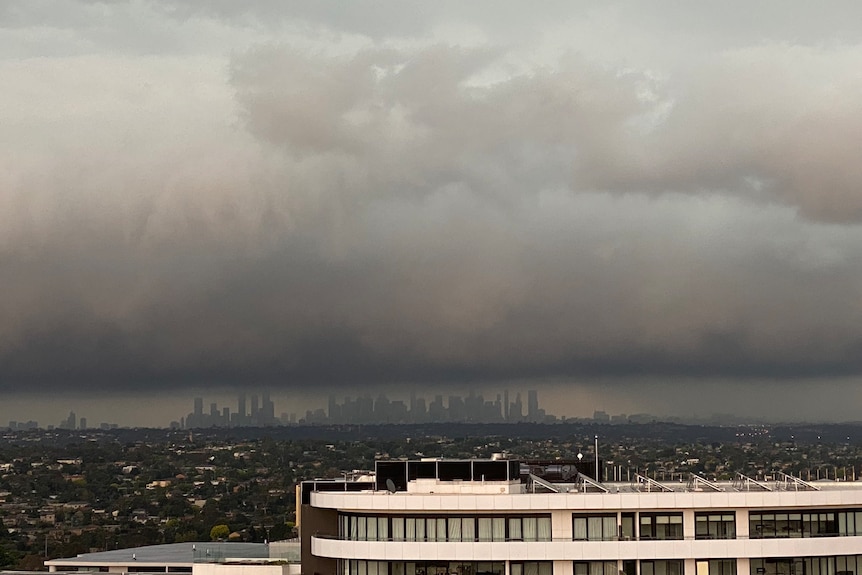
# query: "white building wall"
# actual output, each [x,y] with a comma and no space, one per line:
[563,551]
[586,550]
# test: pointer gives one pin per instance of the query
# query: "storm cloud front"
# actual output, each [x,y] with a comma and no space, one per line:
[308,195]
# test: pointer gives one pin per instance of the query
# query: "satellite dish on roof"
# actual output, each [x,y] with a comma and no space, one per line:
[390,485]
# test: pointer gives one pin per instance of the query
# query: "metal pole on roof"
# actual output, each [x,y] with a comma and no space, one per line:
[598,475]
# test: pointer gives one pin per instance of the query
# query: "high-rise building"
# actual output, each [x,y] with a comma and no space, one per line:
[254,408]
[500,517]
[240,409]
[532,405]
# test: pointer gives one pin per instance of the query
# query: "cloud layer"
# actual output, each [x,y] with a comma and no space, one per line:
[203,194]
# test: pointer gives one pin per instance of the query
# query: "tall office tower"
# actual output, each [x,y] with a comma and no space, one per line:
[83,423]
[456,408]
[72,422]
[255,408]
[420,413]
[214,412]
[532,405]
[412,404]
[199,406]
[225,416]
[267,409]
[365,409]
[349,410]
[516,412]
[381,409]
[240,409]
[435,409]
[505,405]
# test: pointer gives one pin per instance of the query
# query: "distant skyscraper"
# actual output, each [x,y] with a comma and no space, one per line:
[516,413]
[199,406]
[240,409]
[532,405]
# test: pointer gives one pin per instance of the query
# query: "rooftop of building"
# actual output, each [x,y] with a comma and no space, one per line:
[183,554]
[496,476]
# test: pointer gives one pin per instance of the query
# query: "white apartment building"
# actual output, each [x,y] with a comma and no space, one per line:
[482,517]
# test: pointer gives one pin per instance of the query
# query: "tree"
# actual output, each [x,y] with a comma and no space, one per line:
[219,532]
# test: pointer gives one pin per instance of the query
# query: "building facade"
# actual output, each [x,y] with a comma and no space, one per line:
[497,517]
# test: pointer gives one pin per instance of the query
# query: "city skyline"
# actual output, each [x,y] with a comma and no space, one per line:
[264,408]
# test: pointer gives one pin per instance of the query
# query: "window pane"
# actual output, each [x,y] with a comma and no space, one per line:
[609,528]
[499,528]
[544,526]
[398,529]
[454,529]
[594,528]
[530,529]
[515,533]
[484,529]
[431,529]
[579,529]
[468,529]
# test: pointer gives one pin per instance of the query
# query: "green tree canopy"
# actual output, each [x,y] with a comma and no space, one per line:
[219,532]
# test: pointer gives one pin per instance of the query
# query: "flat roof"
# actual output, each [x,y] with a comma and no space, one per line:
[171,554]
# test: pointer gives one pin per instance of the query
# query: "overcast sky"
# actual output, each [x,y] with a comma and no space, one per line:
[643,199]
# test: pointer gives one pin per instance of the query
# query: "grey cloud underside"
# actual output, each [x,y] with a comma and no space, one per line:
[437,213]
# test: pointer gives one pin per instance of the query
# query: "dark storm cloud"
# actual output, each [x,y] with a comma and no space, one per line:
[403,207]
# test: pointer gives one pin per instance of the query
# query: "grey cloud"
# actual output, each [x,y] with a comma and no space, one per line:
[410,213]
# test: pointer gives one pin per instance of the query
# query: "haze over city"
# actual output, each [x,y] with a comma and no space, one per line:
[629,207]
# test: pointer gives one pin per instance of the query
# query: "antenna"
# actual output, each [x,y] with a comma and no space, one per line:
[390,485]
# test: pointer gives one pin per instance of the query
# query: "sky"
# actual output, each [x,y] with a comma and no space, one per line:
[630,206]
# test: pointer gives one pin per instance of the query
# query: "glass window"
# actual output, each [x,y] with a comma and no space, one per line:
[468,529]
[398,529]
[662,567]
[515,533]
[531,568]
[770,524]
[530,529]
[661,526]
[431,529]
[498,529]
[454,529]
[484,529]
[715,526]
[595,568]
[594,527]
